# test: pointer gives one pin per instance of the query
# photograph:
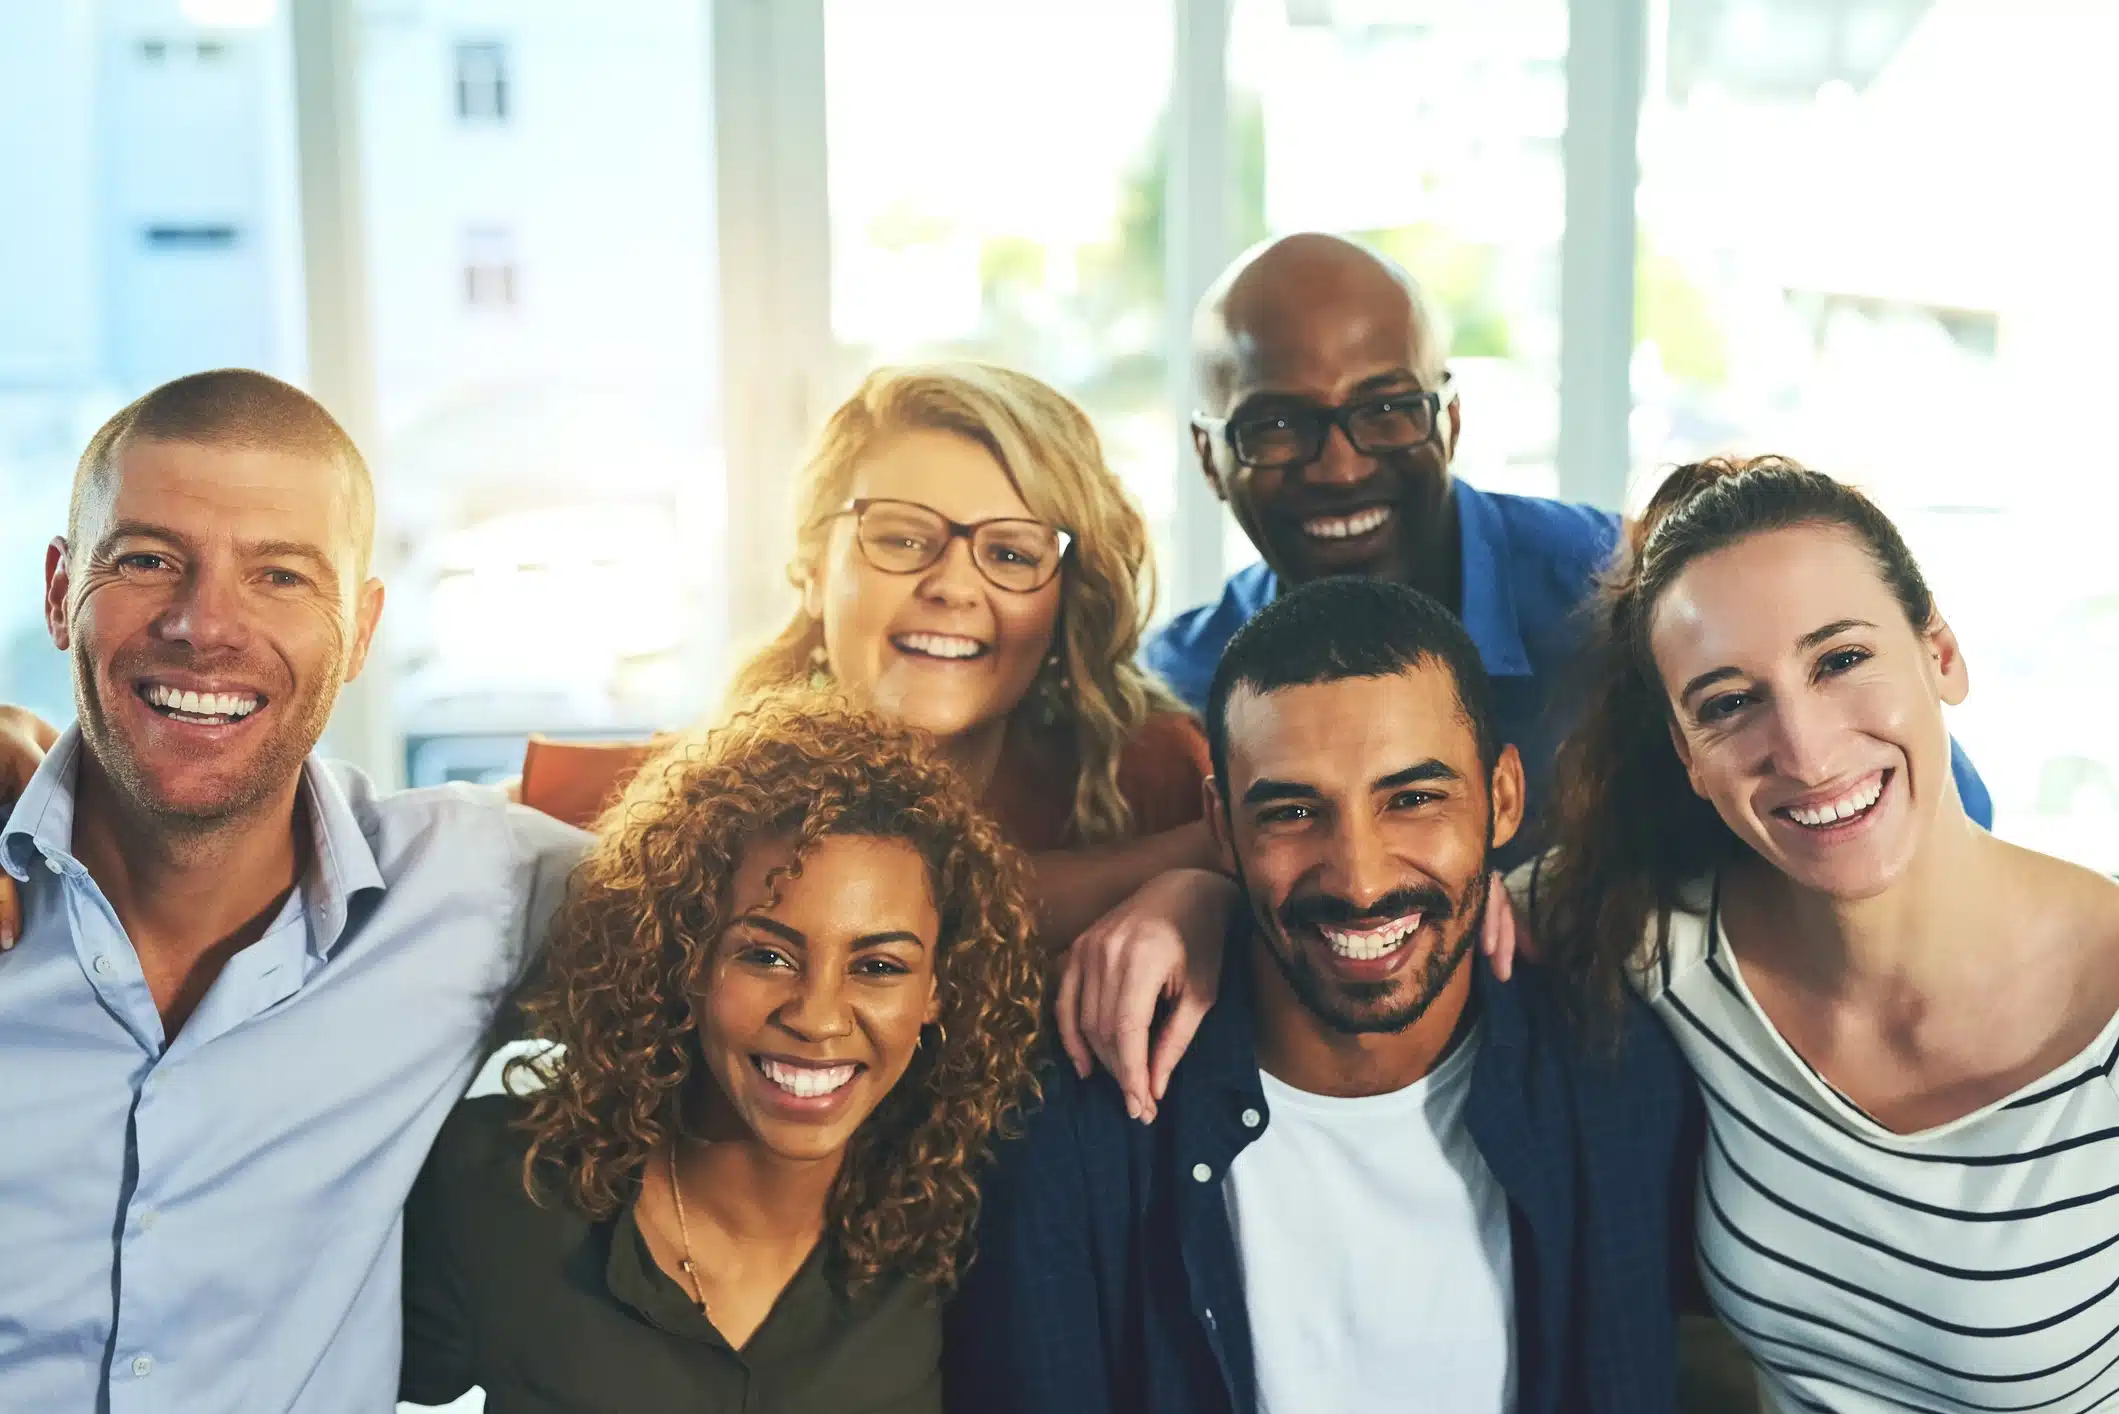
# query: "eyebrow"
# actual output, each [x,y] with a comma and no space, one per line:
[260,549]
[1432,769]
[1267,788]
[799,939]
[1375,383]
[1807,642]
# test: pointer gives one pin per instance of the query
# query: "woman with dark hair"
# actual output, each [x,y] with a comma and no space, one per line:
[795,995]
[1906,1029]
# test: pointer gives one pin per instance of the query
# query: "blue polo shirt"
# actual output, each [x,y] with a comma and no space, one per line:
[1530,570]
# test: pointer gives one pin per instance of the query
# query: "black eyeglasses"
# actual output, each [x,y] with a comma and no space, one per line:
[905,537]
[1294,436]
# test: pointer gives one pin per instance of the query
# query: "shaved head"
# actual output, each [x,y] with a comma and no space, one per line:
[232,408]
[1286,291]
[1327,361]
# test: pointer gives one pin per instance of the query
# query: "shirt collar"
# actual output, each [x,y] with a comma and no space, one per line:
[41,827]
[1487,595]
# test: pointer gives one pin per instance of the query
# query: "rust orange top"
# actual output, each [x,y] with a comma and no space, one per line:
[1031,797]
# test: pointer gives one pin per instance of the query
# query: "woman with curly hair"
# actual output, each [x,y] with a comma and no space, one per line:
[795,995]
[968,562]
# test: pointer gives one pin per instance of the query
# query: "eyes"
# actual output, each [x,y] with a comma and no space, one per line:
[148,564]
[1725,705]
[1297,812]
[767,958]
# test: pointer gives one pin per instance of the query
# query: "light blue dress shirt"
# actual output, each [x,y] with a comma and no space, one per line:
[211,1222]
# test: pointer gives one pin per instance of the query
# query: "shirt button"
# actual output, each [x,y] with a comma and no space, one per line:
[104,966]
[1202,1172]
[1252,1119]
[142,1367]
[54,865]
[148,1220]
[1208,1313]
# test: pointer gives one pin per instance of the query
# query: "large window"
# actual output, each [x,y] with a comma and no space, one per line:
[1843,259]
[543,292]
[996,192]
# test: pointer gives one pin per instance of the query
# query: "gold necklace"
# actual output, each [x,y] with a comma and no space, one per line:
[684,1235]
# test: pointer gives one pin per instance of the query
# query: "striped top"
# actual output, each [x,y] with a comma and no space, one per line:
[1973,1266]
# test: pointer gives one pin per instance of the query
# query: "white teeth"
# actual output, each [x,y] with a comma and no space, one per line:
[804,1081]
[1369,944]
[1345,527]
[940,645]
[208,705]
[1853,803]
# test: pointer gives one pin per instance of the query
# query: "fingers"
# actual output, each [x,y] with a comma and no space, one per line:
[1178,1030]
[1131,1071]
[1070,1029]
[1498,933]
[10,913]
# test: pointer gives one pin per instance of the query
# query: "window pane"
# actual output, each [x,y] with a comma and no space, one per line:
[1430,129]
[542,269]
[1843,260]
[999,196]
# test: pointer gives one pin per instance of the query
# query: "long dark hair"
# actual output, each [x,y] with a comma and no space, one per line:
[1630,832]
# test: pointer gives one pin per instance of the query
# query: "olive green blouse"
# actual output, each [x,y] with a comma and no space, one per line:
[549,1311]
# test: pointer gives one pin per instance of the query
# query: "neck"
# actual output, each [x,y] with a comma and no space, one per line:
[1919,935]
[976,752]
[176,885]
[750,1195]
[1434,555]
[1299,1049]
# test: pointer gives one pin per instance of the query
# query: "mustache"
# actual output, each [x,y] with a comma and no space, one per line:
[1310,910]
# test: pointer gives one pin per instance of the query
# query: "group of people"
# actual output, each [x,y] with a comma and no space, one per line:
[1496,957]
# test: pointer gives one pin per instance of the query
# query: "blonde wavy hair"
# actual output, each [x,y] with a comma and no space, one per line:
[1052,456]
[636,940]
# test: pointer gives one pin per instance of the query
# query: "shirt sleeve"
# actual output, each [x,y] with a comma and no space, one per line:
[1970,788]
[439,1362]
[1025,1330]
[1162,771]
[546,852]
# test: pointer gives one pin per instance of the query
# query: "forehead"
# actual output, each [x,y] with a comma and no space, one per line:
[946,470]
[849,884]
[1342,735]
[1753,600]
[1321,348]
[213,494]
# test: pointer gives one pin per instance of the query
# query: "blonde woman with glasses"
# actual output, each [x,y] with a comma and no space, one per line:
[969,563]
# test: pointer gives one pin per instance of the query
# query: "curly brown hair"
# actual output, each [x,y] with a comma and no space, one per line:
[636,937]
[1631,836]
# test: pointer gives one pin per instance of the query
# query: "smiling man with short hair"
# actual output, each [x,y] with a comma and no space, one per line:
[249,987]
[1381,1178]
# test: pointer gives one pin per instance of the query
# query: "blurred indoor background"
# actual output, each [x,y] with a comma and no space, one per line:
[584,277]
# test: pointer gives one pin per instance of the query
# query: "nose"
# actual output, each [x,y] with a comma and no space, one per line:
[1803,736]
[1362,869]
[817,1011]
[953,579]
[206,612]
[1337,463]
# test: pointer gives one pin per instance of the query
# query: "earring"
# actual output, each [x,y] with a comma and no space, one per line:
[941,1037]
[1052,694]
[819,667]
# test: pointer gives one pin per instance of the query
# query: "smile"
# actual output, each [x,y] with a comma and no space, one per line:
[1851,804]
[949,647]
[1368,944]
[209,709]
[1347,527]
[806,1081]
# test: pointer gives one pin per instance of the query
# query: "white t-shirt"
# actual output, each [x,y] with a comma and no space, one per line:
[1375,1251]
